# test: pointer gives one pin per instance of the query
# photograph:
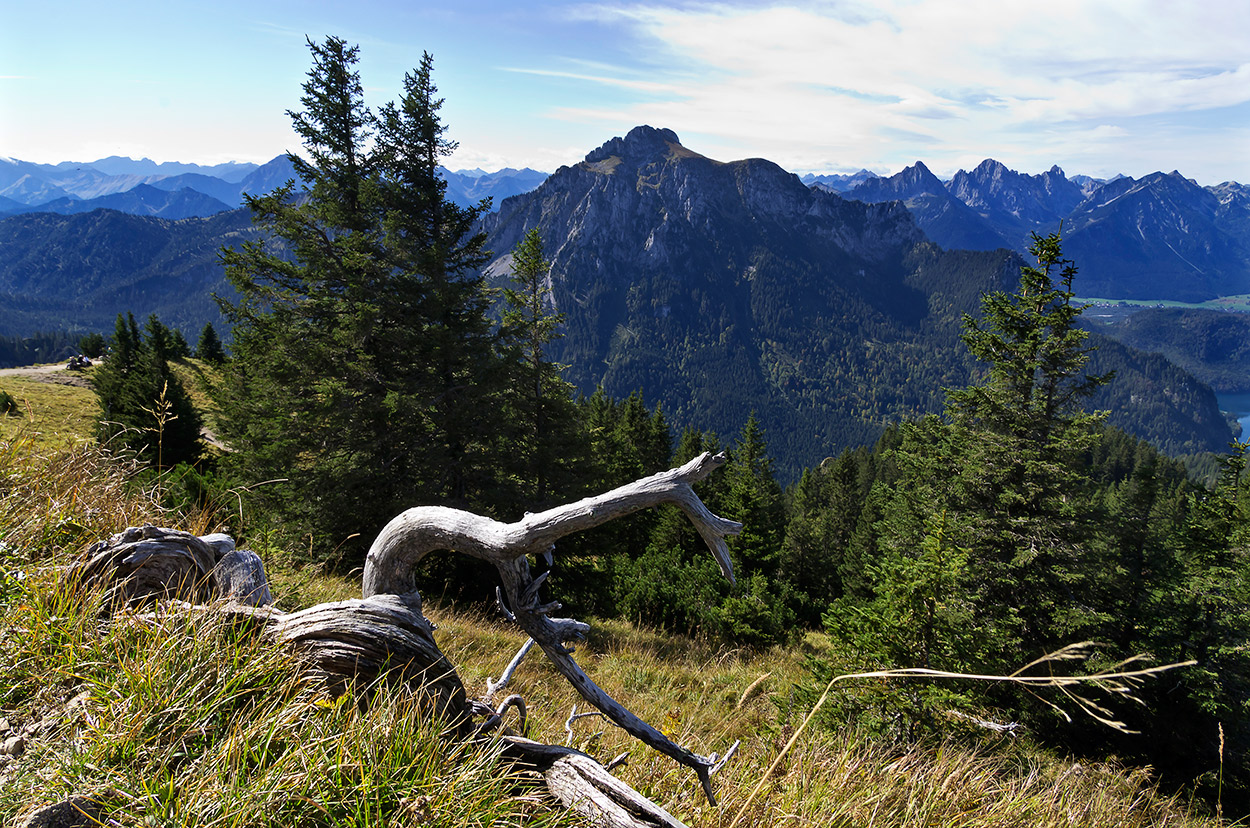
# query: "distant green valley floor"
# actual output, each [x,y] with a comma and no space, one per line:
[1112,310]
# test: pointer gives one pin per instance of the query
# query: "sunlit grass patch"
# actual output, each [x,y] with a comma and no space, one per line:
[51,414]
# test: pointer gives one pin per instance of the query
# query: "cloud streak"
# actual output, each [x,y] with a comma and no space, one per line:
[851,82]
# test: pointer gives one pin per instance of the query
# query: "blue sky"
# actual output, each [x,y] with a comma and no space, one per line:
[1095,86]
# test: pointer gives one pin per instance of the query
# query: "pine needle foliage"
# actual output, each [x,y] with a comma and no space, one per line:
[364,363]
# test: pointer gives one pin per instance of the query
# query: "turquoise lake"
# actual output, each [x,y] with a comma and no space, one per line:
[1240,405]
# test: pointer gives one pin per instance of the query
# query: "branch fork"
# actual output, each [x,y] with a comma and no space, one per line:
[417,532]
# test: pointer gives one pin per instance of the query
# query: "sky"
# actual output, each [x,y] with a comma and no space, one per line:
[1099,87]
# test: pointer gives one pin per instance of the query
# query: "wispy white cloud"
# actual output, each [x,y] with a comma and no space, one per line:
[859,82]
[605,80]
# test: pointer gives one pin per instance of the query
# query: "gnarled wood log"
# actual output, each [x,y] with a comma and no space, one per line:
[585,786]
[417,532]
[148,563]
[385,635]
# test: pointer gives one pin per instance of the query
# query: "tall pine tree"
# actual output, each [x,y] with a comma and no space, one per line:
[548,441]
[1019,441]
[364,364]
[992,497]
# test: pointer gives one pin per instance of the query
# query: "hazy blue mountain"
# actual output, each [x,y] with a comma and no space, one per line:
[13,170]
[468,187]
[945,219]
[32,184]
[1088,184]
[838,183]
[268,177]
[52,186]
[1160,237]
[226,192]
[1233,214]
[142,200]
[115,165]
[31,188]
[1016,204]
[8,205]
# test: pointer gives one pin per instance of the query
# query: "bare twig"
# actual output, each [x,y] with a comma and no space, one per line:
[1112,680]
[574,716]
[493,687]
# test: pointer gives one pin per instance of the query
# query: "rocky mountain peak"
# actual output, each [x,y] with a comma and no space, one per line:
[918,172]
[991,170]
[910,182]
[642,143]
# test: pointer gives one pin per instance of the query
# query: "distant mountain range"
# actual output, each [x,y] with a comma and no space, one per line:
[1159,237]
[178,191]
[717,289]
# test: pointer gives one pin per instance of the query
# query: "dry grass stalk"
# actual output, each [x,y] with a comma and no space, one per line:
[1113,680]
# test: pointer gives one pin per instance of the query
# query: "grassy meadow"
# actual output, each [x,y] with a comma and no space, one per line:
[53,412]
[179,721]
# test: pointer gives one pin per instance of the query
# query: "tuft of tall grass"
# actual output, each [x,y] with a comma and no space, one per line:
[55,501]
[177,719]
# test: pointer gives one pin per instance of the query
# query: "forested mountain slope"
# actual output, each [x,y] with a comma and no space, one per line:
[719,289]
[78,272]
[1212,345]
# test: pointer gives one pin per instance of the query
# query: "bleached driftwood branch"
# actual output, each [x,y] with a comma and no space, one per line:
[492,686]
[419,531]
[385,636]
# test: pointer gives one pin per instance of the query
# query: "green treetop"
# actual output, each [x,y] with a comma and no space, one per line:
[364,364]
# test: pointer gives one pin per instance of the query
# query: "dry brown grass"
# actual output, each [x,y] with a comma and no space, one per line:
[706,696]
[692,691]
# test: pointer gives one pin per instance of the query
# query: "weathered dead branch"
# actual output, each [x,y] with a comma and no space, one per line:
[143,564]
[385,637]
[417,532]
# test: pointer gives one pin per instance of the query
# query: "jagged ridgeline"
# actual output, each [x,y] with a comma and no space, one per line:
[719,289]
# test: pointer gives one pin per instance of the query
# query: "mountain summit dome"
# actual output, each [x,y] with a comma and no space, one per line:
[641,142]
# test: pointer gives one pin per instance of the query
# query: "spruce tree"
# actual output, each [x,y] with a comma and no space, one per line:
[364,368]
[92,345]
[209,348]
[438,341]
[547,437]
[1002,481]
[1019,440]
[143,406]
